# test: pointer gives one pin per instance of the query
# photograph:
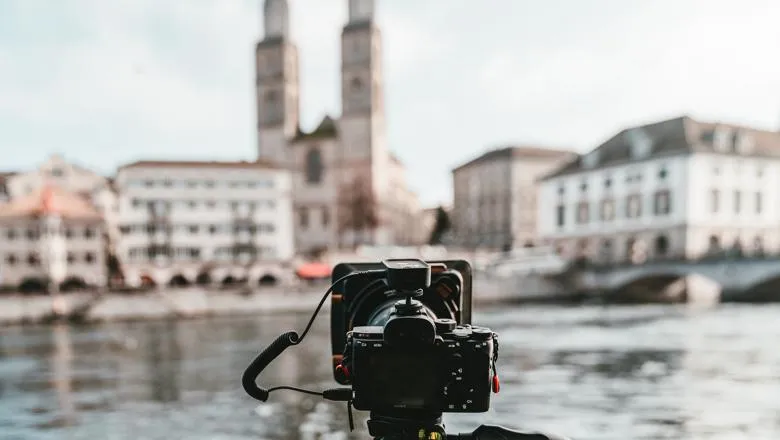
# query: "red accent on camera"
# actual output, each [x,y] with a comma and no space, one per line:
[343,371]
[496,384]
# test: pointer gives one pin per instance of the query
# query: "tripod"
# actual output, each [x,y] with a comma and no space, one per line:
[415,425]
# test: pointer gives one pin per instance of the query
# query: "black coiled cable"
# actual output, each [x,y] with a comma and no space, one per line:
[248,380]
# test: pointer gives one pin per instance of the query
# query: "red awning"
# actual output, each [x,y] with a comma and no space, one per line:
[313,270]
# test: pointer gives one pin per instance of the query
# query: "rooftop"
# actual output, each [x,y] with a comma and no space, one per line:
[50,200]
[518,152]
[199,164]
[676,136]
[325,130]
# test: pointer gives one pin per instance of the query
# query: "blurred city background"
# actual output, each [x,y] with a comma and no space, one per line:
[178,179]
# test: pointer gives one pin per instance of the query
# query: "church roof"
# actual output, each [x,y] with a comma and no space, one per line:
[325,130]
[50,200]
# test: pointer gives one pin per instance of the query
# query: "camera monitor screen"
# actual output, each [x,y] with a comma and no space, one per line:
[403,379]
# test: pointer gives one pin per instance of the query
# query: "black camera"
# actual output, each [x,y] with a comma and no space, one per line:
[402,337]
[402,340]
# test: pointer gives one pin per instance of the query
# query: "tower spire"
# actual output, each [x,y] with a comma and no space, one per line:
[361,10]
[276,19]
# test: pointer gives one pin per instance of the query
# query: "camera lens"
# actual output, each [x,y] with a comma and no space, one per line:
[381,314]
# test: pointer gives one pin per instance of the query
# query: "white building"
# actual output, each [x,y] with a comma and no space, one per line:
[676,188]
[494,196]
[51,236]
[187,222]
[348,187]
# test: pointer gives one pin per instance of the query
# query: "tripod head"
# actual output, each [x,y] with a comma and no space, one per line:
[421,426]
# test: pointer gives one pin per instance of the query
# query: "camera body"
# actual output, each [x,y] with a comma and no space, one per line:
[402,338]
[454,374]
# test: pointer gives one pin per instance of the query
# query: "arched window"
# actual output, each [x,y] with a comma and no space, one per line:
[314,166]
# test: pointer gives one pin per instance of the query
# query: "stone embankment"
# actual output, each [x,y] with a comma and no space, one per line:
[175,303]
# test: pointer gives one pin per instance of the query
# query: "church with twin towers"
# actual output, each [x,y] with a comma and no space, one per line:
[348,187]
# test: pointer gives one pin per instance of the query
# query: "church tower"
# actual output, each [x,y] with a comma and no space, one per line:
[362,96]
[276,64]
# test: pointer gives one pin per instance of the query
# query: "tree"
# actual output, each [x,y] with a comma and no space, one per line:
[357,209]
[441,226]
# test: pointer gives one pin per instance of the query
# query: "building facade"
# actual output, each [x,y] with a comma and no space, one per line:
[348,188]
[51,237]
[671,189]
[72,178]
[495,196]
[204,222]
[4,195]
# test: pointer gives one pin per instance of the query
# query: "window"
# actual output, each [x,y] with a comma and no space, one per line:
[32,234]
[607,210]
[583,186]
[88,233]
[193,229]
[662,202]
[583,213]
[136,203]
[325,216]
[11,234]
[737,202]
[662,173]
[68,233]
[89,257]
[759,200]
[561,215]
[356,84]
[71,258]
[714,201]
[56,172]
[33,259]
[10,259]
[561,190]
[303,217]
[212,229]
[721,139]
[607,182]
[633,206]
[191,204]
[314,166]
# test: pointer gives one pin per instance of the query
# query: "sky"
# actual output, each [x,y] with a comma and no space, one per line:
[104,83]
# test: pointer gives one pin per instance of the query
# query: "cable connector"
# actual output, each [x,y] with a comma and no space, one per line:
[338,394]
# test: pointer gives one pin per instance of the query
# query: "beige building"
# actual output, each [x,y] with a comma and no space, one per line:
[679,188]
[495,196]
[71,178]
[4,196]
[348,188]
[51,236]
[204,222]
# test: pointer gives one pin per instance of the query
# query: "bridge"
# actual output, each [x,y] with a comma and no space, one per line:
[709,280]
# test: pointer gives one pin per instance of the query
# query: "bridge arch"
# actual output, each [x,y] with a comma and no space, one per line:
[766,289]
[668,286]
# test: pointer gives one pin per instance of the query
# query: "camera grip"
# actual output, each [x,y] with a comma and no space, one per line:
[248,380]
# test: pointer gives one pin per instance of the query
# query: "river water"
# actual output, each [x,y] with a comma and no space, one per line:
[654,372]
